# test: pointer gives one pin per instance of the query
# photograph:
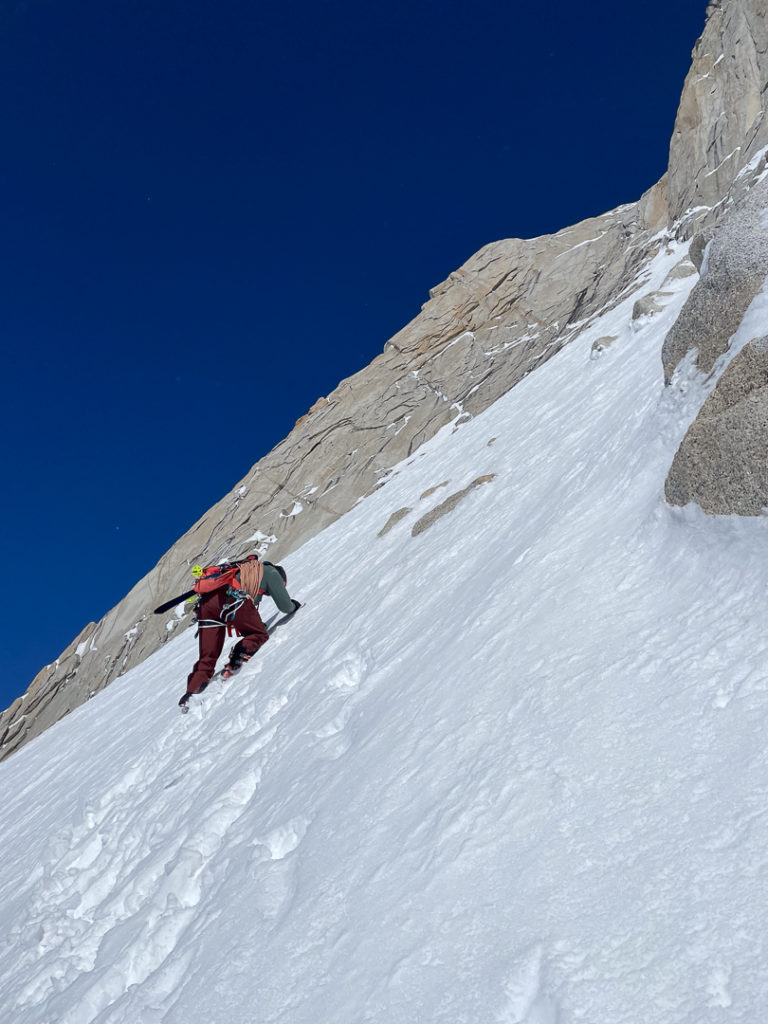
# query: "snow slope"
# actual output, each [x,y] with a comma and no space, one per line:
[508,771]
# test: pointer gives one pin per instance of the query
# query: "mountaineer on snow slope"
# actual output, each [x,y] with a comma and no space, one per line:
[228,599]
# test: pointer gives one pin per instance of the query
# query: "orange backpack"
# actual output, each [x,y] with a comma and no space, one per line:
[215,576]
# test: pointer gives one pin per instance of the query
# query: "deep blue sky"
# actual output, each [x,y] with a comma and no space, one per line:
[211,211]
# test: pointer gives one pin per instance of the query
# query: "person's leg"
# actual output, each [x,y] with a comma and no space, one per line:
[211,642]
[252,630]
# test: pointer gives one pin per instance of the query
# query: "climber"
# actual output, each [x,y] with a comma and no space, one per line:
[228,599]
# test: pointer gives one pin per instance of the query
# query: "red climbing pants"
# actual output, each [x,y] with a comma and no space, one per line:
[247,622]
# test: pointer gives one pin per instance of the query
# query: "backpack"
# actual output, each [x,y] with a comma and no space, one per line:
[212,577]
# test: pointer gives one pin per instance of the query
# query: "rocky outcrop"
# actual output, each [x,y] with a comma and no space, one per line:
[721,124]
[447,506]
[723,463]
[717,186]
[393,520]
[732,270]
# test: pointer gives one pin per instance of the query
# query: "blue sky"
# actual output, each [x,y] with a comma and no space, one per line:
[213,213]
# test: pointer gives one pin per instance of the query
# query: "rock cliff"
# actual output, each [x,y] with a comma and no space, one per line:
[721,124]
[717,188]
[512,306]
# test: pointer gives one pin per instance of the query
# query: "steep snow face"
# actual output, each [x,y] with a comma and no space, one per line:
[510,769]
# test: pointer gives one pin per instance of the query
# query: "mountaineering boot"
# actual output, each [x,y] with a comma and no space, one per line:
[235,664]
[183,700]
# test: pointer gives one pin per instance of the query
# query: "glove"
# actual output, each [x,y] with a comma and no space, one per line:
[296,606]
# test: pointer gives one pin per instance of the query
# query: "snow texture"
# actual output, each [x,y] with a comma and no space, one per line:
[509,771]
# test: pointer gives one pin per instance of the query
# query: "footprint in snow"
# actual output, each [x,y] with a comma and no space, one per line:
[343,681]
[274,868]
[334,741]
[284,839]
[349,672]
[526,999]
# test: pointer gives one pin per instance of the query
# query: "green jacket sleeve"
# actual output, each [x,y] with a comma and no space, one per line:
[272,584]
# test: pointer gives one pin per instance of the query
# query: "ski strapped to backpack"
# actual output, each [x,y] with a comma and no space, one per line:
[211,577]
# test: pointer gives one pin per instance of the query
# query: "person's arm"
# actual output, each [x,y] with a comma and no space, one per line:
[272,583]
